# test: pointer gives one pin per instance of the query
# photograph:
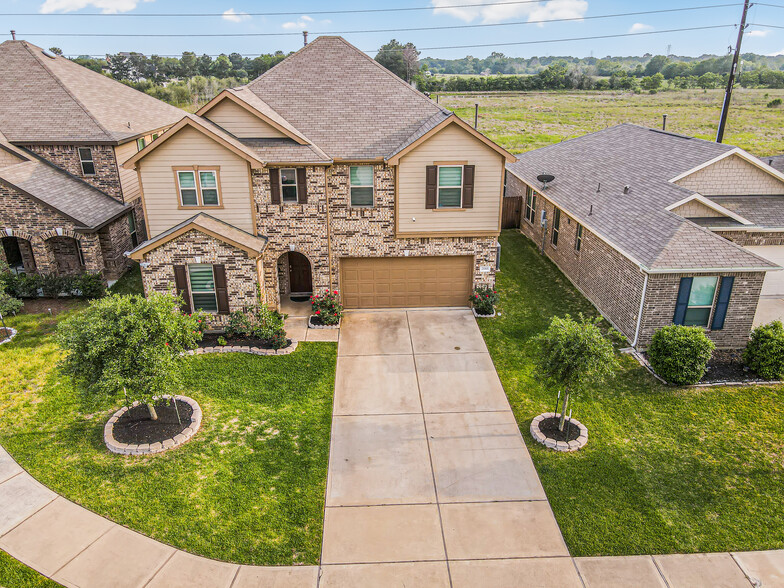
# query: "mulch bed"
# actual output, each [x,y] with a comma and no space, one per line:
[136,427]
[211,340]
[726,365]
[316,321]
[550,429]
[4,333]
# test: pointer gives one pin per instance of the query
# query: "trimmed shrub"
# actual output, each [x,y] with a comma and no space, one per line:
[85,285]
[259,322]
[765,352]
[680,354]
[327,307]
[484,299]
[88,285]
[9,304]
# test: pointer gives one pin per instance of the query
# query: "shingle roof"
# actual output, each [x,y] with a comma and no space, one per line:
[775,161]
[87,206]
[764,211]
[344,101]
[277,151]
[636,223]
[53,99]
[210,225]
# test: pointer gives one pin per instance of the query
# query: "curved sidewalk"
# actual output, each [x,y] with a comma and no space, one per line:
[430,484]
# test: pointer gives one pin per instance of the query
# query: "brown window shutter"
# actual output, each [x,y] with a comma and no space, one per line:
[275,185]
[468,186]
[221,289]
[181,283]
[302,185]
[431,186]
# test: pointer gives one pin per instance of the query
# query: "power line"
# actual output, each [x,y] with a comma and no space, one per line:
[756,24]
[365,31]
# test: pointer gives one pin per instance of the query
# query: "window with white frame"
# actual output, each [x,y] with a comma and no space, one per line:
[361,185]
[701,299]
[450,186]
[198,189]
[202,281]
[86,161]
[530,205]
[288,184]
[578,242]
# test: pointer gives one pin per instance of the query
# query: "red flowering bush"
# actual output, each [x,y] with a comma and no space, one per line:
[484,300]
[327,307]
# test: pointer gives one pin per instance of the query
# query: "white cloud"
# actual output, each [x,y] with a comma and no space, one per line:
[300,23]
[493,13]
[105,6]
[776,54]
[639,27]
[758,33]
[233,16]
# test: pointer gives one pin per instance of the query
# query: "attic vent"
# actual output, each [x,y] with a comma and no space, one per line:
[627,189]
[48,53]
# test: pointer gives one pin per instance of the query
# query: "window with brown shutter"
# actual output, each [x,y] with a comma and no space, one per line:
[181,283]
[431,186]
[221,288]
[275,185]
[468,186]
[302,186]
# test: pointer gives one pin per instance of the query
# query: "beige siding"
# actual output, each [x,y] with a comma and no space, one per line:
[241,123]
[187,148]
[450,144]
[129,179]
[696,209]
[732,176]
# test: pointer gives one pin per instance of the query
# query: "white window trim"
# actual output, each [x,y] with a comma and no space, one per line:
[711,306]
[197,186]
[214,291]
[83,161]
[372,186]
[295,184]
[438,187]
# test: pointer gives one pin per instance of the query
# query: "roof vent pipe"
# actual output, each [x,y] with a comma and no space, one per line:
[305,38]
[664,122]
[627,189]
[599,188]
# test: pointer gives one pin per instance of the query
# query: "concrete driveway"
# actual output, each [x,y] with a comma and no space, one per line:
[428,471]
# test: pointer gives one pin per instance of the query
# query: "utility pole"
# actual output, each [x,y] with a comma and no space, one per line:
[733,71]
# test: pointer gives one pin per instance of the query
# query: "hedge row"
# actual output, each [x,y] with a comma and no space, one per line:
[85,285]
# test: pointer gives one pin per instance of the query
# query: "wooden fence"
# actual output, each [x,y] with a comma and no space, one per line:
[512,208]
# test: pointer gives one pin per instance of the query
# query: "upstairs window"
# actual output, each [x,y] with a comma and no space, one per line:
[361,185]
[450,186]
[288,184]
[198,189]
[530,205]
[556,226]
[578,242]
[86,160]
[141,143]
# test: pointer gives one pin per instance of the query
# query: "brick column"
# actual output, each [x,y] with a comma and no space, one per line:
[44,256]
[91,250]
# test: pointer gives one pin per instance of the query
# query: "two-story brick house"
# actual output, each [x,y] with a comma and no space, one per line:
[66,204]
[657,228]
[326,172]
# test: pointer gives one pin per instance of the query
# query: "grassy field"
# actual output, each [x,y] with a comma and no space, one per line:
[666,469]
[528,121]
[248,488]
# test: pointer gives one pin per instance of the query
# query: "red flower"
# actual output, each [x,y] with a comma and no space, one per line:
[336,292]
[166,344]
[318,312]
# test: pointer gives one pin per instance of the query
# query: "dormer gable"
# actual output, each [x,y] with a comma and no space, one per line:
[697,206]
[734,173]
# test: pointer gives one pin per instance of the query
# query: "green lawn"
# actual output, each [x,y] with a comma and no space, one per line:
[130,282]
[16,575]
[248,488]
[666,469]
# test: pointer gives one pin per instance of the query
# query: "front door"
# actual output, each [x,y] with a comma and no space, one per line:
[300,279]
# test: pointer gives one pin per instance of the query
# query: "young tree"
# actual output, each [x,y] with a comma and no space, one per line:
[571,355]
[128,345]
[401,60]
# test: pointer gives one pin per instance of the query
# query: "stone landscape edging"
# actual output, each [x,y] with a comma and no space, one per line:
[11,336]
[243,349]
[565,446]
[151,448]
[477,315]
[312,326]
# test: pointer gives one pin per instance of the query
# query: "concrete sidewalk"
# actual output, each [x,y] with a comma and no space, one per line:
[430,485]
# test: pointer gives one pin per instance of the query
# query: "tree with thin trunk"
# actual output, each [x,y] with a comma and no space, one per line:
[573,355]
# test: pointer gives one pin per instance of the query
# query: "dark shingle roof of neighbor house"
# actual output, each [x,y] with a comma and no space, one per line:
[276,151]
[636,223]
[53,99]
[774,161]
[344,101]
[76,199]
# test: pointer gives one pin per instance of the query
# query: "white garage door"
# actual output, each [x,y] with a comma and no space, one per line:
[774,281]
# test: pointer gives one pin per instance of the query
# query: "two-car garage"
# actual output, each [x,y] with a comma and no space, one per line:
[406,282]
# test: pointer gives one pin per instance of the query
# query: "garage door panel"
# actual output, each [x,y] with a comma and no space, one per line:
[774,281]
[394,282]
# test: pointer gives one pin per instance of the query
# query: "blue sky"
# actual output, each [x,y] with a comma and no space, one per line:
[56,16]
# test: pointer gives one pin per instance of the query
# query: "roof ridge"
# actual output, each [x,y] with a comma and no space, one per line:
[68,91]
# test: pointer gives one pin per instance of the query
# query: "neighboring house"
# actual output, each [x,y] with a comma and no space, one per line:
[657,228]
[774,161]
[327,172]
[66,204]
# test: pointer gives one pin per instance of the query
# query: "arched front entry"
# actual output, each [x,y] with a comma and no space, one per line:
[19,254]
[295,275]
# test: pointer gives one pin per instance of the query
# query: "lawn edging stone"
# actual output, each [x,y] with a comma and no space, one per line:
[243,349]
[564,446]
[9,337]
[477,315]
[183,436]
[312,326]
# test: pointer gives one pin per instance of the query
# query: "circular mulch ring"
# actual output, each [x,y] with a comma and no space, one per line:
[6,334]
[544,428]
[130,431]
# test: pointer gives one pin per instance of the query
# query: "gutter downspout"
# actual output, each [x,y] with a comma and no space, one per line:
[639,313]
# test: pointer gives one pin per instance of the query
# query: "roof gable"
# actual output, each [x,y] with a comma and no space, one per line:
[53,99]
[734,172]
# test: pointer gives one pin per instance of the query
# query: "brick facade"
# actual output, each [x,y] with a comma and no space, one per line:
[196,247]
[614,284]
[751,238]
[66,157]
